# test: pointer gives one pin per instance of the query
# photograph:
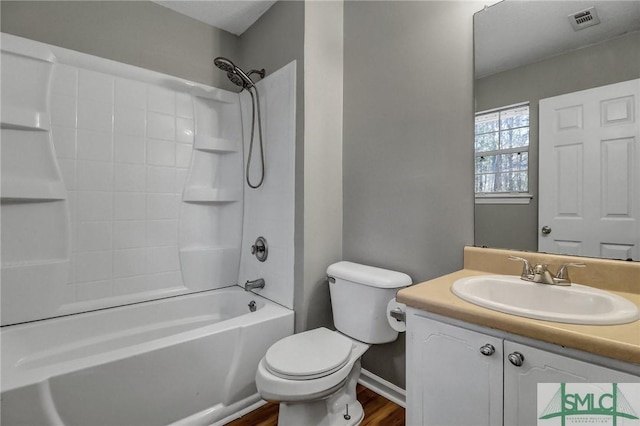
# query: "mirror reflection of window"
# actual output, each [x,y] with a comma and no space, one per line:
[502,150]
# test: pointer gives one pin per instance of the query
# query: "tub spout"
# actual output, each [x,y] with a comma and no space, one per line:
[252,285]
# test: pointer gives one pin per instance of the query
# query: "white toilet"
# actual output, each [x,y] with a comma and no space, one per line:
[314,374]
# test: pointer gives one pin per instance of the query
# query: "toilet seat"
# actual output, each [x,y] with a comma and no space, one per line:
[310,355]
[273,387]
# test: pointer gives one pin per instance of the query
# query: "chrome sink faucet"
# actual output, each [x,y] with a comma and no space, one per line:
[252,285]
[540,273]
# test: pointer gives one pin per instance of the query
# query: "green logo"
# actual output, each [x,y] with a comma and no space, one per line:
[582,404]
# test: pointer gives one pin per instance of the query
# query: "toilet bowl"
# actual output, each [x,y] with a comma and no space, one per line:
[314,374]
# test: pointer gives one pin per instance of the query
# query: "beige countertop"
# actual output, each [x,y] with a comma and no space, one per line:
[620,342]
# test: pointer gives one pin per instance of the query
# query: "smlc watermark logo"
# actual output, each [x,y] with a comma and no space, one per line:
[616,404]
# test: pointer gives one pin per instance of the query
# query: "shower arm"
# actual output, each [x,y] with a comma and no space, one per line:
[261,73]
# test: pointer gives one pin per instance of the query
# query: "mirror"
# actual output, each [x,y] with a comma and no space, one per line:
[526,51]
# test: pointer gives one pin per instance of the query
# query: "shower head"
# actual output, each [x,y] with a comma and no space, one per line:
[236,79]
[245,78]
[224,64]
[235,73]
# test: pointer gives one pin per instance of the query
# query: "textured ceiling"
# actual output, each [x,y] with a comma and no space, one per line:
[234,16]
[513,33]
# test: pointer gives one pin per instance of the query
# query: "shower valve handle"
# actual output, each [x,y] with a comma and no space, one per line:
[259,249]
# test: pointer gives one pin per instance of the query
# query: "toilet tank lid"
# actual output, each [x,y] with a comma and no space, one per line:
[368,275]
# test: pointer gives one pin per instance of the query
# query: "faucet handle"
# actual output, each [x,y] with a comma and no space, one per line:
[563,274]
[527,271]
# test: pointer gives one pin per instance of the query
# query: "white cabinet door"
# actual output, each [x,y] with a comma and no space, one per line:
[589,173]
[521,405]
[449,380]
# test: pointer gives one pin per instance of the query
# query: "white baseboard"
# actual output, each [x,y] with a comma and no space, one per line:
[382,387]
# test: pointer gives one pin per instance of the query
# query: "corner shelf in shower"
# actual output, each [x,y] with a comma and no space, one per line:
[216,145]
[41,268]
[200,91]
[25,119]
[196,194]
[32,190]
[214,94]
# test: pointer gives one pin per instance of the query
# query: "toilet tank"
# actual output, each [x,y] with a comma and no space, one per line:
[359,298]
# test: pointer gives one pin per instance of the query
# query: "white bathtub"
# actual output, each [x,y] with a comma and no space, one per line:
[186,360]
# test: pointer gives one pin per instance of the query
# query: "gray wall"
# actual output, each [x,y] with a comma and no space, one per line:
[408,143]
[139,33]
[323,112]
[516,226]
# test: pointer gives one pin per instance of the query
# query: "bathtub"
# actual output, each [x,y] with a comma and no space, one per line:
[183,360]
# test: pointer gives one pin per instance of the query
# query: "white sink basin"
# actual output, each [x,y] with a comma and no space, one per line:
[574,304]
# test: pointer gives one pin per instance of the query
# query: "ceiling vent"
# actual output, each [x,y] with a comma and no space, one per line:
[583,19]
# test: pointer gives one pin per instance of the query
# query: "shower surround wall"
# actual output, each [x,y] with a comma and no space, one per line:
[118,184]
[269,210]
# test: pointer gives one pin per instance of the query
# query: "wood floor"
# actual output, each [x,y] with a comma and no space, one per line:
[378,411]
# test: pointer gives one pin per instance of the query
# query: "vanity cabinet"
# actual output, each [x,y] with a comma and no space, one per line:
[459,376]
[449,382]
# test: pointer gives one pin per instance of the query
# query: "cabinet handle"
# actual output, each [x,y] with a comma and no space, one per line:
[516,358]
[487,349]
